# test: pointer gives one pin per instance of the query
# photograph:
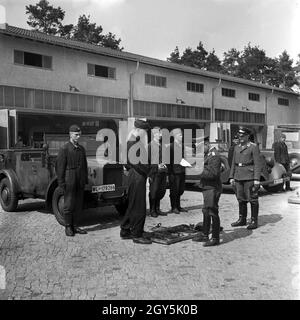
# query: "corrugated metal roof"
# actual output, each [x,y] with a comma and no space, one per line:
[77,45]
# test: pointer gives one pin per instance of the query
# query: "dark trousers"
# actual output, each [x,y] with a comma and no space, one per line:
[288,172]
[244,194]
[134,219]
[177,186]
[157,186]
[244,191]
[73,203]
[211,212]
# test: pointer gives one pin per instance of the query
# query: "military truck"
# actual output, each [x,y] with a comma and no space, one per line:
[30,173]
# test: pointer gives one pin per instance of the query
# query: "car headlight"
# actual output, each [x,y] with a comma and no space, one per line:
[270,162]
[293,162]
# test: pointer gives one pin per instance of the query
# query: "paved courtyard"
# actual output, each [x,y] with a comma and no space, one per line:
[38,261]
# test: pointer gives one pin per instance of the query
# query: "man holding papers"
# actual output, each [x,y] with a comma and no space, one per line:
[176,171]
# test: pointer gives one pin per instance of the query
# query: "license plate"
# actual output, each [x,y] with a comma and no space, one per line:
[103,188]
[277,181]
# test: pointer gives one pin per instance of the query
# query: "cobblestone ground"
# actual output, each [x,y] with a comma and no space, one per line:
[40,262]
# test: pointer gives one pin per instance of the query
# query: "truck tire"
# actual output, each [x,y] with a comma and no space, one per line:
[8,199]
[58,205]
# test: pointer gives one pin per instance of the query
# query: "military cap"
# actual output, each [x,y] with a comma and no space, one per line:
[244,131]
[141,124]
[74,128]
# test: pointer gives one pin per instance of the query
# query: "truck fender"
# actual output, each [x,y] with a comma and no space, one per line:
[278,171]
[13,179]
[49,192]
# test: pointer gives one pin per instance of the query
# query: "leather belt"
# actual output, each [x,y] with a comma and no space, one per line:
[243,164]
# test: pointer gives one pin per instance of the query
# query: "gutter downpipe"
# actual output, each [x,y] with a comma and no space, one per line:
[131,89]
[266,125]
[266,106]
[212,116]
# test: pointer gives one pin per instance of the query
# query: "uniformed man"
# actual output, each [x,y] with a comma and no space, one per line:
[72,175]
[235,141]
[245,177]
[176,171]
[211,185]
[281,155]
[157,175]
[132,225]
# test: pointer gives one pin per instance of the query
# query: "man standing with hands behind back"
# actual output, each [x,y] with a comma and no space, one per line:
[281,155]
[72,175]
[176,171]
[245,176]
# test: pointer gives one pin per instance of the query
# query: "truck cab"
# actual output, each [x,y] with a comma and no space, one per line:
[30,173]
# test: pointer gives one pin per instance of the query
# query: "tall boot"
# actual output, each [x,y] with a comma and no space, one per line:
[152,208]
[215,226]
[206,222]
[157,209]
[288,186]
[150,202]
[254,216]
[242,221]
[179,206]
[173,205]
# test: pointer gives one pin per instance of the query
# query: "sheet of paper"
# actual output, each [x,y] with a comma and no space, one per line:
[184,163]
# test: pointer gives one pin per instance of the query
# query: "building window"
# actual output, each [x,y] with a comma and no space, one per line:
[228,92]
[55,100]
[283,102]
[101,71]
[194,87]
[253,96]
[171,111]
[155,81]
[238,116]
[32,59]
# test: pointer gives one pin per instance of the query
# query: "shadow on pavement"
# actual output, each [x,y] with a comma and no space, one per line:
[99,218]
[235,234]
[39,206]
[243,232]
[268,219]
[194,207]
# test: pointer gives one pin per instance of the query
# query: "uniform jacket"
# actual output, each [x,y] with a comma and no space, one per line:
[281,154]
[230,154]
[141,168]
[155,156]
[245,163]
[210,177]
[175,168]
[71,166]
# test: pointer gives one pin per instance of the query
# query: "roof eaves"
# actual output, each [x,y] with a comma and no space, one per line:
[73,44]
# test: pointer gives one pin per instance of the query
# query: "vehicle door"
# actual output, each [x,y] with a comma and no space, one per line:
[32,171]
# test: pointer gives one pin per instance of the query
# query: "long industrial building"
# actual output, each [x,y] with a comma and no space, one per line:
[52,82]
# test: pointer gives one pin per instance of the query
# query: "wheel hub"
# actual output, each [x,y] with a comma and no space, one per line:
[5,195]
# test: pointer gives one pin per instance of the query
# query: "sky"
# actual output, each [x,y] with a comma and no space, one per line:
[154,28]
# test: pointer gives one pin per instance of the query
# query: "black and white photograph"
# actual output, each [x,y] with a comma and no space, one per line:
[149,153]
